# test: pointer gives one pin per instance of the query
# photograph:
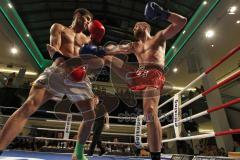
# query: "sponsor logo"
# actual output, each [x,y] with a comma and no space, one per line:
[138,132]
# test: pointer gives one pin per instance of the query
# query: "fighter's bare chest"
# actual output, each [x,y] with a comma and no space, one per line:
[73,38]
[149,48]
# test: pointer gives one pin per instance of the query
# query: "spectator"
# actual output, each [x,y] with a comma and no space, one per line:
[222,152]
[115,147]
[236,146]
[10,80]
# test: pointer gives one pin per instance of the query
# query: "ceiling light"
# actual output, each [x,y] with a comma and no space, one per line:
[232,10]
[14,50]
[28,35]
[209,34]
[10,5]
[173,47]
[6,70]
[212,45]
[204,2]
[181,88]
[238,21]
[205,130]
[175,70]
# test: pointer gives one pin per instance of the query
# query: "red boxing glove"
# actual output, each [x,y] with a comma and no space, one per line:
[78,73]
[97,30]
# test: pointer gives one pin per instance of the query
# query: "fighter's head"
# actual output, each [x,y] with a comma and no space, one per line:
[81,18]
[141,29]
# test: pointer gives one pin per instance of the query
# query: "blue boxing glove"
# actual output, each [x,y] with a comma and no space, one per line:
[153,11]
[92,49]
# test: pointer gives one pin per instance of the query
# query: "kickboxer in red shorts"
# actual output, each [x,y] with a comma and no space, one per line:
[150,53]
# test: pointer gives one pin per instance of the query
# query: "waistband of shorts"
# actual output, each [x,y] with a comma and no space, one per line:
[152,66]
[57,55]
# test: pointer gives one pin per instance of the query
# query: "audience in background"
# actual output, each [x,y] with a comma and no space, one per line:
[10,80]
[236,146]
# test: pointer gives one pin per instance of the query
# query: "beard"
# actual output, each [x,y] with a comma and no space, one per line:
[78,23]
[138,34]
[81,25]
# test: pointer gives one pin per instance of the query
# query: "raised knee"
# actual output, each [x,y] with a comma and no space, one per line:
[107,60]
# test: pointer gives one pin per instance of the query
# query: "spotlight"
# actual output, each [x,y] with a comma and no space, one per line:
[10,5]
[209,34]
[175,70]
[14,50]
[232,10]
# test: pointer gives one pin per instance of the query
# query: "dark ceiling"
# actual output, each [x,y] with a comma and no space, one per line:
[118,16]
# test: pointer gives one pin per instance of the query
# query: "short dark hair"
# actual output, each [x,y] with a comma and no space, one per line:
[146,24]
[83,12]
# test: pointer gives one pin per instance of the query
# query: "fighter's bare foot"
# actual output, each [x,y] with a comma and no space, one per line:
[74,157]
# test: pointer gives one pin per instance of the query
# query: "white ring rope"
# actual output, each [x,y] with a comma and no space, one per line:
[76,131]
[74,140]
[207,71]
[213,134]
[74,114]
[212,109]
[232,77]
[50,112]
[185,88]
[73,122]
[183,105]
[202,136]
[127,118]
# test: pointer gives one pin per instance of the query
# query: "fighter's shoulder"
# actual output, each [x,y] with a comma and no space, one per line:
[160,35]
[57,26]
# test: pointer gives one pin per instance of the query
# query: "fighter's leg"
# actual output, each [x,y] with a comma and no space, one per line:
[18,119]
[87,109]
[93,143]
[97,130]
[118,66]
[154,132]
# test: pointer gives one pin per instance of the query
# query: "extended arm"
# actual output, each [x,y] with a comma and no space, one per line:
[112,49]
[107,50]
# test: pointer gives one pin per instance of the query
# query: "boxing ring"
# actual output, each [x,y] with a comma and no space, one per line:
[138,135]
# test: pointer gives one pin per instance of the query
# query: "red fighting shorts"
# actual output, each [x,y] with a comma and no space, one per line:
[143,78]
